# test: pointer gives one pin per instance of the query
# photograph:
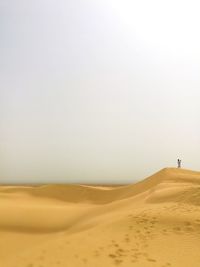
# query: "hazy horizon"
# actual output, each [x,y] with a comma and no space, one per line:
[98,91]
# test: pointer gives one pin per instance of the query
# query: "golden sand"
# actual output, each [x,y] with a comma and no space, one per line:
[155,223]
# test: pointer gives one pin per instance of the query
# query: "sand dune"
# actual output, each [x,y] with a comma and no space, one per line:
[155,222]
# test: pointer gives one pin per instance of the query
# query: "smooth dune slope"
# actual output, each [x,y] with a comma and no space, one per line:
[155,222]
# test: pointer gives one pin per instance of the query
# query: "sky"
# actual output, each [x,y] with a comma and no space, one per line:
[103,91]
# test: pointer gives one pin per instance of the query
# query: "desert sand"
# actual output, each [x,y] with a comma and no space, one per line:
[155,222]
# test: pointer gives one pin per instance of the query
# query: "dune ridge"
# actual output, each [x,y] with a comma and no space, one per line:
[76,193]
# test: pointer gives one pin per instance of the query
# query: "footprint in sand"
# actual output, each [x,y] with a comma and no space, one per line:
[117,262]
[187,223]
[84,260]
[197,222]
[166,264]
[112,256]
[120,252]
[151,260]
[41,258]
[96,253]
[164,232]
[177,229]
[127,239]
[116,257]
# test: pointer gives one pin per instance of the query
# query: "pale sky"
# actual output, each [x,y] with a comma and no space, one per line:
[98,91]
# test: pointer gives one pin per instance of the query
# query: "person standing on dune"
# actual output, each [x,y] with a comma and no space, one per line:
[179,163]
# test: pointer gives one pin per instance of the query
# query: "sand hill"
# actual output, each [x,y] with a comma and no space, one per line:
[155,222]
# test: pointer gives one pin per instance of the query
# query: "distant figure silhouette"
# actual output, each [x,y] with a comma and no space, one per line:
[179,163]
